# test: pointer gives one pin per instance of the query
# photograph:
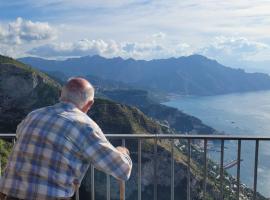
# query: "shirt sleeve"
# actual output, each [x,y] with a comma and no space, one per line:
[22,124]
[105,157]
[20,127]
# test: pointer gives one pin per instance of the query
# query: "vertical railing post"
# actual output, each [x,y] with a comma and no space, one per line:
[238,169]
[172,169]
[108,187]
[189,169]
[92,182]
[256,170]
[221,168]
[139,169]
[205,169]
[122,183]
[155,170]
[0,165]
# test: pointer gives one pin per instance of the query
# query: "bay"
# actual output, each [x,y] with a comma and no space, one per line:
[236,114]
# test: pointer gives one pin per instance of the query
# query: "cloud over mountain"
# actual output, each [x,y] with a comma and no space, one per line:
[111,48]
[127,38]
[79,48]
[235,49]
[22,31]
[231,51]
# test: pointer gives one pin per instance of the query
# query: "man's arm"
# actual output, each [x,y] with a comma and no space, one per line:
[107,158]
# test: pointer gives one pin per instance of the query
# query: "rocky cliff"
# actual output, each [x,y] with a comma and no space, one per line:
[168,116]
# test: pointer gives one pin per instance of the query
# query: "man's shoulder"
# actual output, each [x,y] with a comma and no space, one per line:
[74,116]
[71,115]
[93,124]
[41,110]
[83,120]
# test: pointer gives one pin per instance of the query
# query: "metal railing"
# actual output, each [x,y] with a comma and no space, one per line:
[189,138]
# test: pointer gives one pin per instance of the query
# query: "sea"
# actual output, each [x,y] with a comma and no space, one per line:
[246,114]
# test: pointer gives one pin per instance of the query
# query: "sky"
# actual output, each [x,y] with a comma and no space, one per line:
[236,33]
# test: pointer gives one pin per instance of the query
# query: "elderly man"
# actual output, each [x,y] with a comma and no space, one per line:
[55,146]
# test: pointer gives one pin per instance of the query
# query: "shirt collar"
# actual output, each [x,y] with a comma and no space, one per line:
[67,105]
[70,106]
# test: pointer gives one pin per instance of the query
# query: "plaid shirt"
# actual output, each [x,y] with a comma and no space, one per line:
[55,146]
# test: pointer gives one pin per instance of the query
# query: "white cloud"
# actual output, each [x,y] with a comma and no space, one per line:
[23,31]
[11,50]
[2,33]
[159,35]
[80,48]
[149,49]
[227,50]
[231,50]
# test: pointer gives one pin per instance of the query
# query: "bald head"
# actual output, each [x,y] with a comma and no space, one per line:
[78,84]
[77,91]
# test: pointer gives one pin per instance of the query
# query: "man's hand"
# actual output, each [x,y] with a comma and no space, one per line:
[123,150]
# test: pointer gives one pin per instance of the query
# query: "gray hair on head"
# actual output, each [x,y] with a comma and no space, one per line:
[77,91]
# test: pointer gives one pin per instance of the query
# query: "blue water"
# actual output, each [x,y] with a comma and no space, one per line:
[237,114]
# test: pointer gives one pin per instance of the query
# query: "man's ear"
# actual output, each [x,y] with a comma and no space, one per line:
[90,103]
[87,106]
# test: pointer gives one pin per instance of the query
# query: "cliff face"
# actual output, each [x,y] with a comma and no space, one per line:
[168,116]
[23,89]
[115,118]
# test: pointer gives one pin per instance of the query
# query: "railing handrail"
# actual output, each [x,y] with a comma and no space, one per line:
[170,136]
[185,136]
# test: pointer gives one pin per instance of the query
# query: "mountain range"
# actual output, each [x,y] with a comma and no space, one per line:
[191,75]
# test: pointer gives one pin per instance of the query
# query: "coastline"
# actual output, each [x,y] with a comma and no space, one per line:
[235,114]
